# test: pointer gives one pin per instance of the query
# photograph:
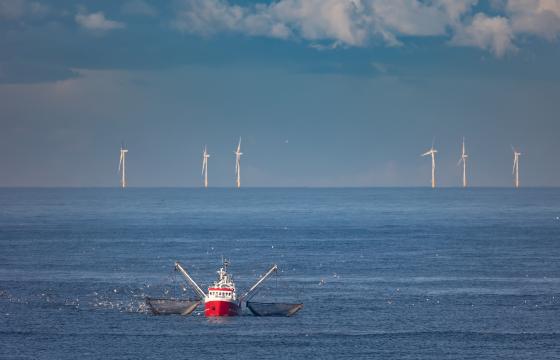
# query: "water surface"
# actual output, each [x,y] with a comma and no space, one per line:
[383,273]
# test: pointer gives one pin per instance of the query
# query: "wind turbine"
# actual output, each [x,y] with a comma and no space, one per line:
[205,157]
[515,170]
[238,154]
[122,166]
[432,152]
[463,160]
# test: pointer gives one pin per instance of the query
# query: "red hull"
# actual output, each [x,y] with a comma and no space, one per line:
[221,308]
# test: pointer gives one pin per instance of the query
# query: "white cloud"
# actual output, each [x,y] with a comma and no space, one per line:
[490,33]
[97,22]
[455,9]
[366,22]
[211,16]
[538,17]
[402,17]
[349,22]
[322,19]
[322,47]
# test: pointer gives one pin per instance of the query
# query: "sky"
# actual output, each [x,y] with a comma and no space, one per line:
[323,93]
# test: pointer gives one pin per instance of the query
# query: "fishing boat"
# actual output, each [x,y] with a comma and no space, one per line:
[221,299]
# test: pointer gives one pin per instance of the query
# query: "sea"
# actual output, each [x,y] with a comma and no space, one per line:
[383,273]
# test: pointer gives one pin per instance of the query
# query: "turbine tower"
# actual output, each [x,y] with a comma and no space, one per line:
[515,171]
[205,157]
[238,154]
[463,160]
[432,152]
[122,166]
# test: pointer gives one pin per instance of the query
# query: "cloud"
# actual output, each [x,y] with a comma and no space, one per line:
[537,17]
[415,18]
[344,22]
[97,22]
[491,33]
[322,47]
[339,21]
[347,22]
[208,17]
[368,22]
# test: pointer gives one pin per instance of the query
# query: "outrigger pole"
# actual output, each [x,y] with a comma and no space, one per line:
[253,290]
[191,282]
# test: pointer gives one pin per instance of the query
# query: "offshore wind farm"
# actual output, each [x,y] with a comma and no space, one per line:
[431,153]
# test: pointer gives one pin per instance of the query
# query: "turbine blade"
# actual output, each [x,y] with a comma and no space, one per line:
[120,161]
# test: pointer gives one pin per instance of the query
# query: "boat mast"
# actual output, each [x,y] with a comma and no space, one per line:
[189,279]
[253,290]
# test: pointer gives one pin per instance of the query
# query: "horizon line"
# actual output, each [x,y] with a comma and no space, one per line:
[284,187]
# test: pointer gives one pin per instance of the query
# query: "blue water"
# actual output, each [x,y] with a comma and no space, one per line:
[383,273]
